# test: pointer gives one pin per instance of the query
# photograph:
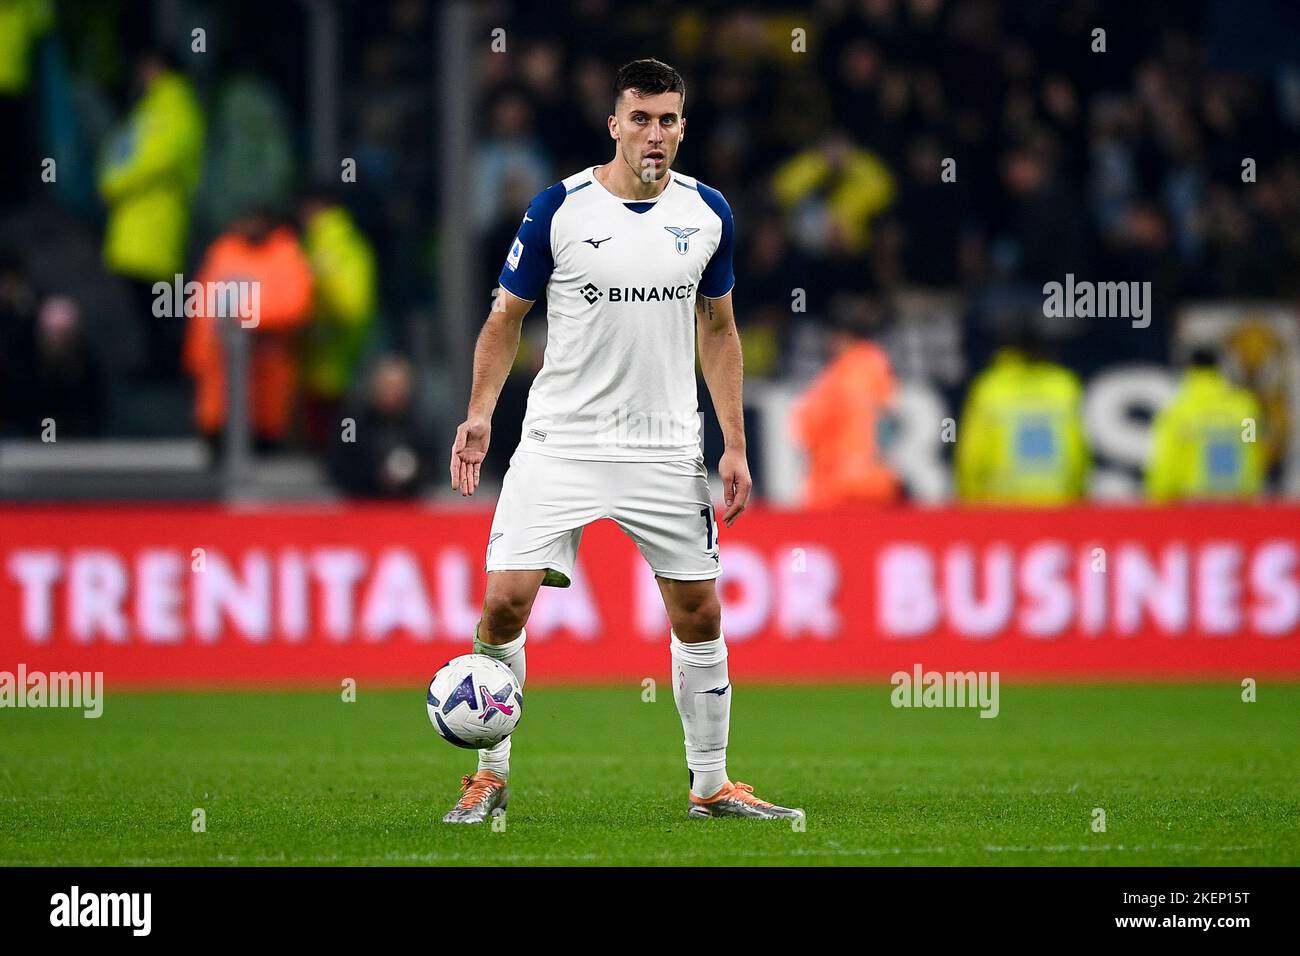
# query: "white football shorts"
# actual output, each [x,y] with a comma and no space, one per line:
[545,503]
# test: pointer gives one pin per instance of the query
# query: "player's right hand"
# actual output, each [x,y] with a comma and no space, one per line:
[467,454]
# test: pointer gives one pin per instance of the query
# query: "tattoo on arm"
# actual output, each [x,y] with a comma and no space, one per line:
[705,306]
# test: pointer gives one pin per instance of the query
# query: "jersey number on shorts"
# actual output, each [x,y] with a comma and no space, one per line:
[709,542]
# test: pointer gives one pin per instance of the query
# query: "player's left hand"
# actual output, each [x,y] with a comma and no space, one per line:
[736,484]
[468,453]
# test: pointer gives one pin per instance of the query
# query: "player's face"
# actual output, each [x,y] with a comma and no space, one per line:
[648,130]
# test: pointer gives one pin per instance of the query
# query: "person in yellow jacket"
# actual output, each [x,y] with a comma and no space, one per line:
[344,294]
[22,23]
[149,170]
[847,185]
[1021,440]
[1204,443]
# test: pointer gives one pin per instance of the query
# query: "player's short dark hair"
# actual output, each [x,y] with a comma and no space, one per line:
[648,77]
[1204,356]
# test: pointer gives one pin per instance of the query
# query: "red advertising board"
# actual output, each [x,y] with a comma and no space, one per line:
[212,595]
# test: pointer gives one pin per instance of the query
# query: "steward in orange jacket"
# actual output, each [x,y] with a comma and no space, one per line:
[252,251]
[838,420]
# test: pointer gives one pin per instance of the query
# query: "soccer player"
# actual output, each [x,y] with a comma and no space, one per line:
[635,261]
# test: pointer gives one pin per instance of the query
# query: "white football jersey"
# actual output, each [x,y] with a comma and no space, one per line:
[620,276]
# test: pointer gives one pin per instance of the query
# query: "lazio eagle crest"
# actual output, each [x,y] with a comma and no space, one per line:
[683,238]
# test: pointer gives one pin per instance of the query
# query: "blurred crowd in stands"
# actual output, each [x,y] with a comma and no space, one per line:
[185,165]
[984,147]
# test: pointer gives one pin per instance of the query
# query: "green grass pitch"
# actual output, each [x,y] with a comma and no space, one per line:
[1186,775]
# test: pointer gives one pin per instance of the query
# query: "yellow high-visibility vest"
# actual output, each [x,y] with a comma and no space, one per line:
[1021,438]
[1204,443]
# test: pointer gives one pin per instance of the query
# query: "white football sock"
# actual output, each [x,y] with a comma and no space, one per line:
[497,759]
[702,690]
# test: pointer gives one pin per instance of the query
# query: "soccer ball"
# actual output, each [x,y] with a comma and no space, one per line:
[474,701]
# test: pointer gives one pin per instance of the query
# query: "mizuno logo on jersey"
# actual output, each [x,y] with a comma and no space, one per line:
[683,237]
[595,243]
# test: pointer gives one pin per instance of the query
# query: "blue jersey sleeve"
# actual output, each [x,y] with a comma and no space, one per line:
[528,263]
[718,278]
